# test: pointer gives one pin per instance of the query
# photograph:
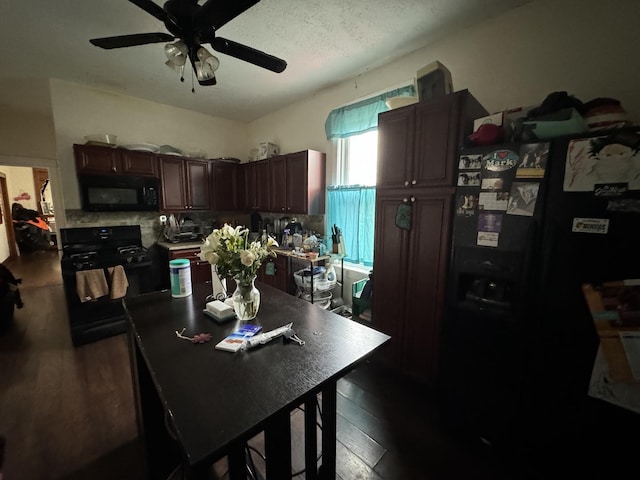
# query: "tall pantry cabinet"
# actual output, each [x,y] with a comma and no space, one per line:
[417,169]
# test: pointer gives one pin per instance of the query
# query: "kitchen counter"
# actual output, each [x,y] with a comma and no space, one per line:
[301,256]
[180,245]
[197,243]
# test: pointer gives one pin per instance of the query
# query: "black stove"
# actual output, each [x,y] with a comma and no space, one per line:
[97,249]
[102,247]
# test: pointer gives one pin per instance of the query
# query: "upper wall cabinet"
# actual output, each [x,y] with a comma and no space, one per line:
[298,183]
[185,184]
[95,159]
[225,185]
[255,186]
[421,140]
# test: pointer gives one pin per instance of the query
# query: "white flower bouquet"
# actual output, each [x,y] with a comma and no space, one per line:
[230,250]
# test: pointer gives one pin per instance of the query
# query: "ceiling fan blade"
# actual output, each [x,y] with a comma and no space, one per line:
[131,40]
[151,8]
[215,13]
[248,54]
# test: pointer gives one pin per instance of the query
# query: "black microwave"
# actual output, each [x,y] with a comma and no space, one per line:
[118,193]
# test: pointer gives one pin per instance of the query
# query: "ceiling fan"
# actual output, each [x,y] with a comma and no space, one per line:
[193,25]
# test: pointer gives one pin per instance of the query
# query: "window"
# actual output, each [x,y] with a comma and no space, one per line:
[351,201]
[357,157]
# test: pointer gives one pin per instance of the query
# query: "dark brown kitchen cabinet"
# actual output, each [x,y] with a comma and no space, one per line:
[279,275]
[95,159]
[200,269]
[416,177]
[185,184]
[256,177]
[225,185]
[420,141]
[139,163]
[411,268]
[298,183]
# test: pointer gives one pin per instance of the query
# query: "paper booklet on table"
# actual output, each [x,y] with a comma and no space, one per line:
[235,341]
[615,309]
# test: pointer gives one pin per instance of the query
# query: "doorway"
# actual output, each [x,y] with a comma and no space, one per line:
[44,199]
[5,217]
[31,188]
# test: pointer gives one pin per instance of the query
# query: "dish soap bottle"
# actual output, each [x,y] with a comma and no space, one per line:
[330,272]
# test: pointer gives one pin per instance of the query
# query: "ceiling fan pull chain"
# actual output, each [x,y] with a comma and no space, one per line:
[193,88]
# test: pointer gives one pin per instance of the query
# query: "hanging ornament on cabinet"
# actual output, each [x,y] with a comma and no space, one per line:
[403,216]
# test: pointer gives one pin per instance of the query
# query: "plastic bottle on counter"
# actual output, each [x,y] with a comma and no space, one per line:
[331,273]
[180,275]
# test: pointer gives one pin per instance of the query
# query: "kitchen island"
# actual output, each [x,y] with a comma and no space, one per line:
[196,404]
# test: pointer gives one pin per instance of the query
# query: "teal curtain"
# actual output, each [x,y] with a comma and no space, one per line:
[353,210]
[362,116]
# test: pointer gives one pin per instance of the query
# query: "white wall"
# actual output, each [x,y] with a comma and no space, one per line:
[20,180]
[80,111]
[580,46]
[26,120]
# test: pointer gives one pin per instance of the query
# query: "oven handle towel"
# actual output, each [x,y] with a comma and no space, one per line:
[119,282]
[91,284]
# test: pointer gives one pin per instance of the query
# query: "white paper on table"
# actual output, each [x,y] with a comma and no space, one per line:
[631,343]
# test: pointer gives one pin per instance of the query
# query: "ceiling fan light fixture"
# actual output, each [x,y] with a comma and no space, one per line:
[205,66]
[174,67]
[176,53]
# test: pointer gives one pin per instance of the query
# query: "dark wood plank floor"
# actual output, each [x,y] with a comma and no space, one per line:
[68,413]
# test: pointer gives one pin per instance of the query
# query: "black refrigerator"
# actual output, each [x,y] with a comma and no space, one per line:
[526,366]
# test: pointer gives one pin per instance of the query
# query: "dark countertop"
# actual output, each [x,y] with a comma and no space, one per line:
[216,397]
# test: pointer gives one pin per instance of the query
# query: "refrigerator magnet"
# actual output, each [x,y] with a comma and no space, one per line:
[488,239]
[466,205]
[490,222]
[500,160]
[522,199]
[469,179]
[493,200]
[470,162]
[533,160]
[489,226]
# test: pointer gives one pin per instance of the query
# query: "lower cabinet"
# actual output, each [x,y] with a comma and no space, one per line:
[200,269]
[414,262]
[277,273]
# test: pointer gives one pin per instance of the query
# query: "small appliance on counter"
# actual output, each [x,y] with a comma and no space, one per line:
[182,229]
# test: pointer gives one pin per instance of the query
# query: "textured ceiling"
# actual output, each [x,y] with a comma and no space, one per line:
[324,42]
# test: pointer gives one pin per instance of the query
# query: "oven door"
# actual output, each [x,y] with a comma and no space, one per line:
[118,193]
[103,317]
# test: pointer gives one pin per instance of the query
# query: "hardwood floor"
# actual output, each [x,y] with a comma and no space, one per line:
[68,413]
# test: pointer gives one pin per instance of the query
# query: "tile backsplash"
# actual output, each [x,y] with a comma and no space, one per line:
[152,230]
[149,222]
